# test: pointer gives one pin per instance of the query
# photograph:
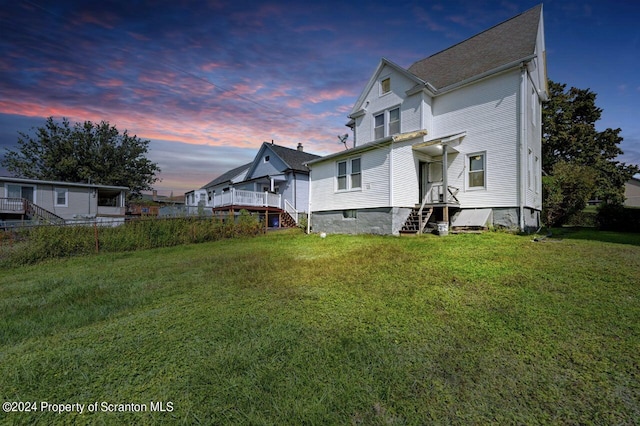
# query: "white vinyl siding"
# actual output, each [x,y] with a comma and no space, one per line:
[374,181]
[488,112]
[374,104]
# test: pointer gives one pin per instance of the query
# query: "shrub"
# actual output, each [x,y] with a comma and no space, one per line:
[47,242]
[614,217]
[566,192]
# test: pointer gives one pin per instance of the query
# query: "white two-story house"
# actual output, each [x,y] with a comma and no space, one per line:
[455,138]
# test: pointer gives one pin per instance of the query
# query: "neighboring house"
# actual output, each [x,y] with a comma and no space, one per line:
[632,193]
[60,202]
[156,205]
[455,136]
[195,200]
[275,182]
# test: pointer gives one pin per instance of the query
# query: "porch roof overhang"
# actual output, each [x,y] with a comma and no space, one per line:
[436,146]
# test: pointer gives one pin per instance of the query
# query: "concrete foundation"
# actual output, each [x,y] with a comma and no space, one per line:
[389,220]
[384,221]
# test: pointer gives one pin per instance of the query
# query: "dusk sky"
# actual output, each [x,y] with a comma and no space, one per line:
[207,82]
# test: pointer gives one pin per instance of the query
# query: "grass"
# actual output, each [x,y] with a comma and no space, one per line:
[291,329]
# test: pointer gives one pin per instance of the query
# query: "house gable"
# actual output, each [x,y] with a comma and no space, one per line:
[390,104]
[266,163]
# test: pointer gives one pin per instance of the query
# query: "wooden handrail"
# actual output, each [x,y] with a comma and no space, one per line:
[36,210]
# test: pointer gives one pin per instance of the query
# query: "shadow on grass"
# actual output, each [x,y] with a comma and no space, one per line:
[580,233]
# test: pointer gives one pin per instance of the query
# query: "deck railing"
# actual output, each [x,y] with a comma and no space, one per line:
[238,197]
[12,205]
[435,195]
[26,207]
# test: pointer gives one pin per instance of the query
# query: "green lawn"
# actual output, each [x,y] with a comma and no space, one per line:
[294,329]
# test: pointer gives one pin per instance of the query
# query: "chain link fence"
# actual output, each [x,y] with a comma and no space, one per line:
[30,244]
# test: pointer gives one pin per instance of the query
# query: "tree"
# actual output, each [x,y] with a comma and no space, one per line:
[570,135]
[566,191]
[88,152]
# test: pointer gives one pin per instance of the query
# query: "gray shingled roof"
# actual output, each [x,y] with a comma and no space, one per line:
[508,42]
[295,159]
[227,176]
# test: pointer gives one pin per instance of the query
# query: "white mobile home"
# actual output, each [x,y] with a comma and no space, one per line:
[455,138]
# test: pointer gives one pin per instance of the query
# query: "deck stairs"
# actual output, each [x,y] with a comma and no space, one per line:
[44,215]
[33,212]
[287,221]
[417,221]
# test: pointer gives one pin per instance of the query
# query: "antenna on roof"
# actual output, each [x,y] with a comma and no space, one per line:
[343,139]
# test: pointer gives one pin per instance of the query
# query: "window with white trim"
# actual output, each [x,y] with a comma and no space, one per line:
[535,174]
[386,123]
[530,168]
[385,86]
[62,199]
[477,168]
[349,174]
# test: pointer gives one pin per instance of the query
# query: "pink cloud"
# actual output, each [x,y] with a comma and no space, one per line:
[330,95]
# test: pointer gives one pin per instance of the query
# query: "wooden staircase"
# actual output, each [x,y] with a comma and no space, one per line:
[417,220]
[37,212]
[287,221]
[22,206]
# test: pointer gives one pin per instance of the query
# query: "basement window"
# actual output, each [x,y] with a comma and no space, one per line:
[349,214]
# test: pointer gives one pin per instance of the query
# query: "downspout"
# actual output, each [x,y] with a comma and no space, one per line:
[521,147]
[391,174]
[309,204]
[445,183]
[295,191]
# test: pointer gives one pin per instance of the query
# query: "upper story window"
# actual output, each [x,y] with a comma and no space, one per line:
[349,174]
[386,123]
[266,158]
[385,86]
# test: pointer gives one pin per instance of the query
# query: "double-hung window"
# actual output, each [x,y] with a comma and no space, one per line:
[386,123]
[477,167]
[61,197]
[349,174]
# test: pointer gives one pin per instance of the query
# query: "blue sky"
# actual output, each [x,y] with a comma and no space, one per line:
[208,82]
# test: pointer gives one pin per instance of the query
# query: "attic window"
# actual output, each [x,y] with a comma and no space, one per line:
[385,86]
[266,158]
